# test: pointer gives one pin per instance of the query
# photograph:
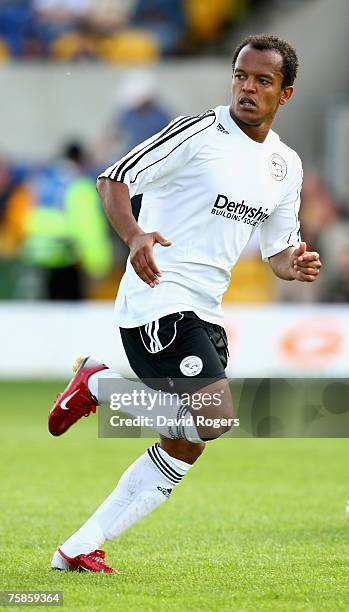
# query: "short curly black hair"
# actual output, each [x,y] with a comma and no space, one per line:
[274,43]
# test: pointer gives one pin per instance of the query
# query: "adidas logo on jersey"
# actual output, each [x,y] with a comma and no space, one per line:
[222,129]
[166,492]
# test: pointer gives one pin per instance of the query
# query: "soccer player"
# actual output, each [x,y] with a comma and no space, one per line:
[209,182]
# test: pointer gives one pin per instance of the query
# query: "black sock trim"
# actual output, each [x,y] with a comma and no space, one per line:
[162,460]
[163,466]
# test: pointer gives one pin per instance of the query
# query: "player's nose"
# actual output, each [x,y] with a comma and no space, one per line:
[249,85]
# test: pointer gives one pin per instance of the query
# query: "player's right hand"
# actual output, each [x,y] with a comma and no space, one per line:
[142,258]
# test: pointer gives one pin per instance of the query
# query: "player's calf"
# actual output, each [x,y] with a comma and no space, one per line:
[182,449]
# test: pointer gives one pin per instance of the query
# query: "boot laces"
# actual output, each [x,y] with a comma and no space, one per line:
[97,556]
[81,407]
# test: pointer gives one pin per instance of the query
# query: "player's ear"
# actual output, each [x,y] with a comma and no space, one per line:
[286,95]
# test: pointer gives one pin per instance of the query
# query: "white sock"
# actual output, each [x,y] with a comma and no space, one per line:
[180,423]
[146,484]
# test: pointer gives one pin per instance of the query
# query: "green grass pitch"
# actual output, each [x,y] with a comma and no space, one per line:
[256,525]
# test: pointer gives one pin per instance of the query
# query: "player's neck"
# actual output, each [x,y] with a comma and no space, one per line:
[258,133]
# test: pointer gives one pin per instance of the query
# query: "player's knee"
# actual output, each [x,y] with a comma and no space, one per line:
[213,427]
[216,431]
[212,410]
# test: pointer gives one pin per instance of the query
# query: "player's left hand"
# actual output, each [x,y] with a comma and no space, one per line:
[305,265]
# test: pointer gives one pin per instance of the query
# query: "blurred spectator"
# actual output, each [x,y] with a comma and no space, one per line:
[65,232]
[337,287]
[59,27]
[319,209]
[59,16]
[164,20]
[334,246]
[130,31]
[140,117]
[326,230]
[207,21]
[17,28]
[6,185]
[252,280]
[109,15]
[92,29]
[141,113]
[14,204]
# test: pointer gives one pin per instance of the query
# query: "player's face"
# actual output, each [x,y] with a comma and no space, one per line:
[257,90]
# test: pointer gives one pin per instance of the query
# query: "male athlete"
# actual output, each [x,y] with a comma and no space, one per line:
[208,182]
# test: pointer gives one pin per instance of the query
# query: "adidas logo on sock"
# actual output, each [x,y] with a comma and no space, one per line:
[166,492]
[222,129]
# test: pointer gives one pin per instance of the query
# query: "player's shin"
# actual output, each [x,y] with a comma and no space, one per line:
[145,485]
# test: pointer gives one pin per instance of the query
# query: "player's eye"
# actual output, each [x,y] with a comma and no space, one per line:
[239,77]
[264,82]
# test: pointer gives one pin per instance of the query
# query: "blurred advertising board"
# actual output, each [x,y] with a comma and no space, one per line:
[42,340]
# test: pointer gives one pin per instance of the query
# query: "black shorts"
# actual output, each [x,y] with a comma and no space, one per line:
[175,353]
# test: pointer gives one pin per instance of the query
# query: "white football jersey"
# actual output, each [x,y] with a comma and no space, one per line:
[206,187]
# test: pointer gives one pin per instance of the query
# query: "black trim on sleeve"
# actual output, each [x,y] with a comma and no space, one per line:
[132,153]
[181,126]
[297,228]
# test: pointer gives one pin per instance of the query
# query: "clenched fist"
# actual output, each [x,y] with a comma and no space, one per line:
[305,265]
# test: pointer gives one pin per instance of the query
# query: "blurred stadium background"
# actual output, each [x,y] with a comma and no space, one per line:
[82,82]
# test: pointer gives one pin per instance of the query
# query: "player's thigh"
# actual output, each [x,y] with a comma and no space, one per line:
[180,348]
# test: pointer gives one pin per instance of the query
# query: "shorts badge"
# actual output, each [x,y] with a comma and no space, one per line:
[191,366]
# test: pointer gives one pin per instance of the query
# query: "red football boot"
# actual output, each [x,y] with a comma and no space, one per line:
[91,562]
[76,400]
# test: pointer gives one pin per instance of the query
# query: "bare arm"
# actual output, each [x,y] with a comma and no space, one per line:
[296,264]
[117,206]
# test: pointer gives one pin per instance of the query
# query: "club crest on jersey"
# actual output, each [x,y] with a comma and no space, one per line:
[191,366]
[278,167]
